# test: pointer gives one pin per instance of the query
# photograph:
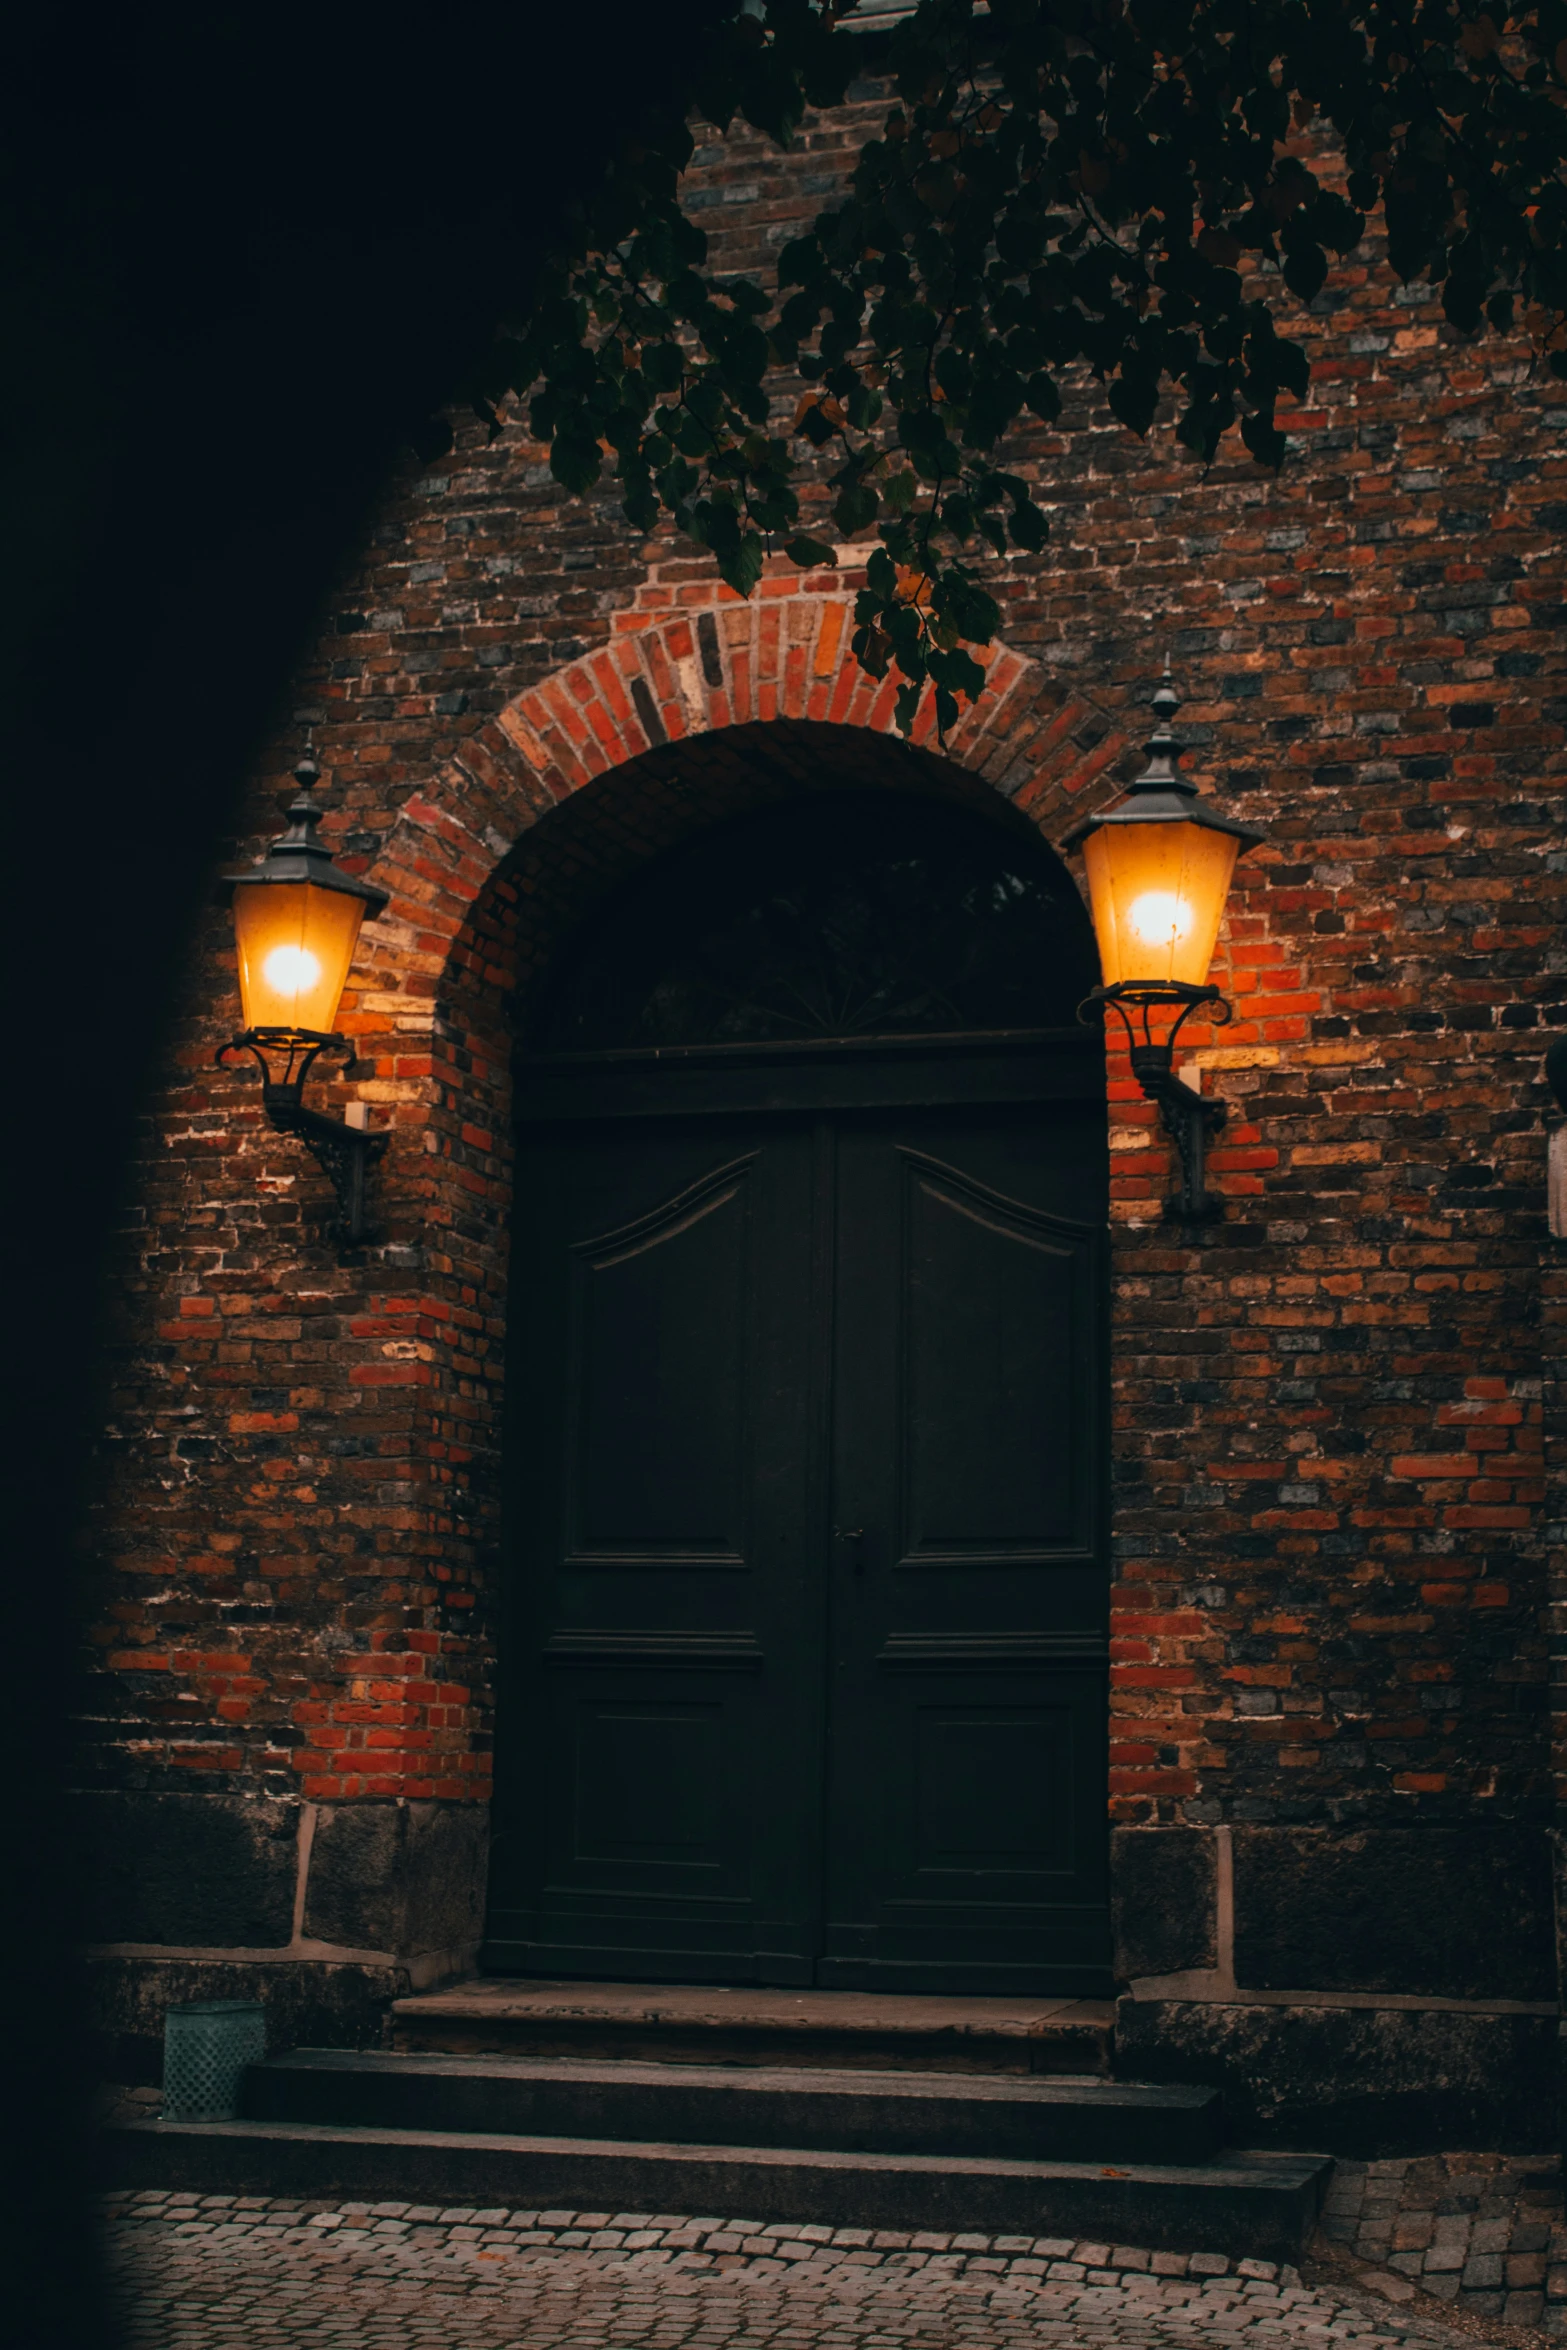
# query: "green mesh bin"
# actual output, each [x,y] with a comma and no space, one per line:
[206,2048]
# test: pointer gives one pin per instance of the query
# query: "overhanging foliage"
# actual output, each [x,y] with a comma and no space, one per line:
[1059,184]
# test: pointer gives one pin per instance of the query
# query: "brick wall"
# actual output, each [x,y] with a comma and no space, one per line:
[1330,1529]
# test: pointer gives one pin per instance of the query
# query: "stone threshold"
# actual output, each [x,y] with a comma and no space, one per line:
[492,2014]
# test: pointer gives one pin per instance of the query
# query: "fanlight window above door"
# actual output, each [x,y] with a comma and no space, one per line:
[841,915]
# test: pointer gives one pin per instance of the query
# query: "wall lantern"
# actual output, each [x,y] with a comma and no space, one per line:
[1159,867]
[296,924]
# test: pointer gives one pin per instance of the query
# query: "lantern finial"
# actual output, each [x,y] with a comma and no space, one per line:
[1164,748]
[304,814]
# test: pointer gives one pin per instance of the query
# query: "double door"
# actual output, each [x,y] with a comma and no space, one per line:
[804,1644]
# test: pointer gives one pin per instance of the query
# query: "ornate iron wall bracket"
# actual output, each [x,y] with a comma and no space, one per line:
[344,1153]
[1188,1117]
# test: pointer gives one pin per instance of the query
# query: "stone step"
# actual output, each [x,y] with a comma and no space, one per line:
[1256,2205]
[1018,2116]
[710,2024]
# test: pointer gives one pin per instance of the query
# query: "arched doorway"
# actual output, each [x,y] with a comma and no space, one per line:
[804,1634]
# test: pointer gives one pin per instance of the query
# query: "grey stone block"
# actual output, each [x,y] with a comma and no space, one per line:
[1163,1900]
[1453,1913]
[398,1877]
[1364,2081]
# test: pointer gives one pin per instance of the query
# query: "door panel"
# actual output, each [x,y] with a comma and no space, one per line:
[982,1279]
[967,1710]
[647,1776]
[656,1374]
[663,1634]
[991,1789]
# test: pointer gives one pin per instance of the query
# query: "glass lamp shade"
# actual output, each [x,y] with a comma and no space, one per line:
[296,942]
[1157,892]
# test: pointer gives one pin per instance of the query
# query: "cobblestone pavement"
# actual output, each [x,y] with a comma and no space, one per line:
[1484,2232]
[224,2272]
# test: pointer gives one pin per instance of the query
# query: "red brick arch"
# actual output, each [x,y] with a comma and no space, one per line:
[676,669]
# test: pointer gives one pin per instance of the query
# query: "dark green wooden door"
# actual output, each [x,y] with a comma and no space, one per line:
[805,1652]
[663,1641]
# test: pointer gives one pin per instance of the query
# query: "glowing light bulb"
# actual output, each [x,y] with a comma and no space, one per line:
[291,970]
[1159,918]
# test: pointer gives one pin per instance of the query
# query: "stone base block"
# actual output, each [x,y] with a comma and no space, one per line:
[1366,2081]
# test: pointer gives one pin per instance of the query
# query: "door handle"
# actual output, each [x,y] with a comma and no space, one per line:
[855,1535]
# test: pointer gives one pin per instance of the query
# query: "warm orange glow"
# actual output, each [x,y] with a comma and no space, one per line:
[1158,893]
[1157,919]
[295,943]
